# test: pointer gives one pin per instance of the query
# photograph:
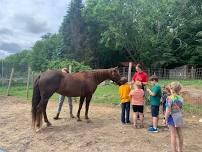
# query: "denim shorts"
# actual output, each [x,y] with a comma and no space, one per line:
[170,121]
[155,111]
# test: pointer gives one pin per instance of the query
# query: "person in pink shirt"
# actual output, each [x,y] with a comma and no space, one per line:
[137,101]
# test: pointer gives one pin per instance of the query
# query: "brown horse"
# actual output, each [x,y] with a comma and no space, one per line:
[81,84]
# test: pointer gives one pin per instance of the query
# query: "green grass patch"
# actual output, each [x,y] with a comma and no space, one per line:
[106,94]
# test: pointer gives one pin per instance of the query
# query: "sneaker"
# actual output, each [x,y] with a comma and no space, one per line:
[151,129]
[123,123]
[128,123]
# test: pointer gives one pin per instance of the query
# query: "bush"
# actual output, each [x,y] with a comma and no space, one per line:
[76,66]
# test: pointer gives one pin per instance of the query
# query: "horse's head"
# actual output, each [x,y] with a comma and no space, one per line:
[115,76]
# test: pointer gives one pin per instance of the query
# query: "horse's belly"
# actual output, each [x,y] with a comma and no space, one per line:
[71,93]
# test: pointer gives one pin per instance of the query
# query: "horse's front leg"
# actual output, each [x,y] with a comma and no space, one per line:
[88,99]
[80,106]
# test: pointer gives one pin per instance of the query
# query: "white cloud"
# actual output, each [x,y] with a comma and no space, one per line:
[4,54]
[24,22]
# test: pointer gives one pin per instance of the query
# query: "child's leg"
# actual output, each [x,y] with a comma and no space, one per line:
[123,107]
[173,134]
[155,113]
[155,121]
[141,119]
[69,99]
[128,112]
[60,103]
[180,138]
[135,117]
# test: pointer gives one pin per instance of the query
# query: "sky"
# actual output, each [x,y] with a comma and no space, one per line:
[23,22]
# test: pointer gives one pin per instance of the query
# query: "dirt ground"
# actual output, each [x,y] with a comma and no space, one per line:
[104,134]
[191,95]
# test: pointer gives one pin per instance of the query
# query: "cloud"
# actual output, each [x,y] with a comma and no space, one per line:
[23,22]
[31,24]
[4,54]
[10,47]
[5,31]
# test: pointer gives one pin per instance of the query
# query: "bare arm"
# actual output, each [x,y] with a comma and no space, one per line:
[150,92]
[168,111]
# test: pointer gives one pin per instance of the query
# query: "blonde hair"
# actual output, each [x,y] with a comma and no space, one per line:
[176,87]
[138,84]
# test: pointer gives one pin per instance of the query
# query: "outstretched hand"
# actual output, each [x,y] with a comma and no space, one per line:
[148,90]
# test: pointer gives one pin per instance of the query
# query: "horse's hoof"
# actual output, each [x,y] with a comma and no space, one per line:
[72,116]
[55,118]
[37,130]
[48,124]
[88,121]
[79,119]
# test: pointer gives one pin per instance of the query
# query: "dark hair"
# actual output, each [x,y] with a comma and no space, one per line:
[123,80]
[154,78]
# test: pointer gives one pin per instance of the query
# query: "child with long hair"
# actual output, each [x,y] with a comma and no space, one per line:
[173,116]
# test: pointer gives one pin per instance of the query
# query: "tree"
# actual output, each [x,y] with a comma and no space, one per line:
[72,31]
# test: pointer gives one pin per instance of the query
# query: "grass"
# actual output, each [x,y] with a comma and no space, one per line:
[103,94]
[107,94]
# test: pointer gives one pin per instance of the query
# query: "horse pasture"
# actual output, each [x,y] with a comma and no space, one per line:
[104,134]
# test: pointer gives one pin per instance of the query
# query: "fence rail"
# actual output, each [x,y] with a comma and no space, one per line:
[22,83]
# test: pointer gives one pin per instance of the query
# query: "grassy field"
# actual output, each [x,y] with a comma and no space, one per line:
[107,94]
[103,94]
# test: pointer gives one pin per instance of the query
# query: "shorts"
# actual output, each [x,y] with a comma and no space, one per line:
[138,108]
[155,111]
[170,121]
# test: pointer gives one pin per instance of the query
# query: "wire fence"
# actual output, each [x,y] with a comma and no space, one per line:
[23,77]
[162,73]
[15,78]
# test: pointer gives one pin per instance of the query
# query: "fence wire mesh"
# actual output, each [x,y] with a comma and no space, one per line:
[193,100]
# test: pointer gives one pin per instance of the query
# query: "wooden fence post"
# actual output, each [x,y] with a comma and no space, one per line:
[129,71]
[70,69]
[9,84]
[32,77]
[2,71]
[28,79]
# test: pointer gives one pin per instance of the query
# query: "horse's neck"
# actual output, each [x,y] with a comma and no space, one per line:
[101,76]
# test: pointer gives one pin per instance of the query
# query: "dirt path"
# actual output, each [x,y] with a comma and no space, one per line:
[193,96]
[104,134]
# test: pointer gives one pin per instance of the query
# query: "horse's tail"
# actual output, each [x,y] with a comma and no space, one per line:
[36,113]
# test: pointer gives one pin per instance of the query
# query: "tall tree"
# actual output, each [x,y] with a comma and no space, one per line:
[72,31]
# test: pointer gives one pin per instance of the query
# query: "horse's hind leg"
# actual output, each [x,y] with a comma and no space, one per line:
[80,106]
[44,113]
[88,98]
[39,114]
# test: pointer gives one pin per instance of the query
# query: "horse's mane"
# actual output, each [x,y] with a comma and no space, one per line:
[96,70]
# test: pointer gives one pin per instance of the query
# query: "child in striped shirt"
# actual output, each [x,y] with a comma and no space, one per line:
[137,100]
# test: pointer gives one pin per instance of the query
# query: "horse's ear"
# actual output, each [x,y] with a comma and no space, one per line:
[116,68]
